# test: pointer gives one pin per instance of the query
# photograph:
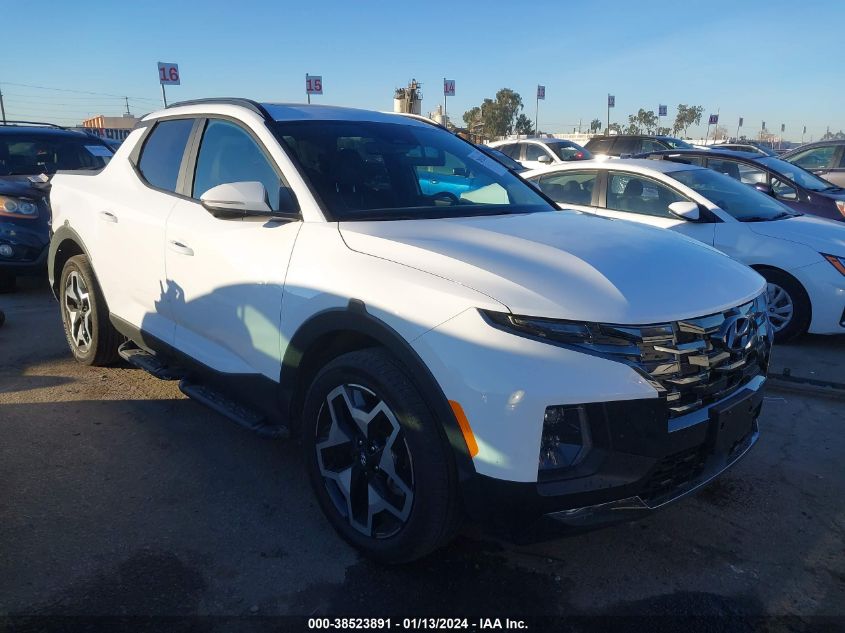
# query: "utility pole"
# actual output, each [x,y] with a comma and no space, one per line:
[126,99]
[2,107]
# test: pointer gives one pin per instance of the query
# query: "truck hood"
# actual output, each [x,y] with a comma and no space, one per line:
[566,265]
[819,234]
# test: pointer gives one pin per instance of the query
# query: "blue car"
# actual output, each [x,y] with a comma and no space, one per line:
[447,183]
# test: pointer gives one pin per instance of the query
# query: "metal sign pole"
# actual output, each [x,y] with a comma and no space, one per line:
[163,95]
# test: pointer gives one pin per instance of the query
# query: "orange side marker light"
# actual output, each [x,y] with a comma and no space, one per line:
[469,438]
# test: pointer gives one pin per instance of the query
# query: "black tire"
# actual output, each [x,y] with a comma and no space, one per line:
[101,350]
[801,310]
[8,282]
[434,514]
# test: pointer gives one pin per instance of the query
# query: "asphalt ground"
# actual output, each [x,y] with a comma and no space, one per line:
[120,497]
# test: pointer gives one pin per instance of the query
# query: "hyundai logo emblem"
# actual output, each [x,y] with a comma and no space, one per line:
[737,332]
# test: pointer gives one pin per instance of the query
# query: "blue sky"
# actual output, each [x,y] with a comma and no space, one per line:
[774,61]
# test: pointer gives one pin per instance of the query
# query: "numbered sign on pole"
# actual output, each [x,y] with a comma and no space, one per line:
[168,74]
[661,110]
[611,101]
[714,119]
[448,87]
[314,84]
[541,92]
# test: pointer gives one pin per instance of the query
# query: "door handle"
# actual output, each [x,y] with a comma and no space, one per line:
[179,247]
[108,216]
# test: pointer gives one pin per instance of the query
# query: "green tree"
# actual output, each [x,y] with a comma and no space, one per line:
[687,115]
[614,127]
[523,125]
[595,126]
[664,131]
[499,116]
[644,121]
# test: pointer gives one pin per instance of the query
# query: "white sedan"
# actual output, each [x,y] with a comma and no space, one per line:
[801,256]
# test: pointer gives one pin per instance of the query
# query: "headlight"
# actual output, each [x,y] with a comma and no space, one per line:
[591,335]
[18,207]
[837,262]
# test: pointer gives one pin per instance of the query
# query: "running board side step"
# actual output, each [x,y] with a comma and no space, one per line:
[147,361]
[248,418]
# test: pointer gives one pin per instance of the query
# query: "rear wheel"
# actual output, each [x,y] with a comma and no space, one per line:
[378,460]
[789,305]
[90,335]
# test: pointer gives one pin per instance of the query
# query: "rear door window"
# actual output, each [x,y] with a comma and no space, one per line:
[162,154]
[626,146]
[511,149]
[599,145]
[569,187]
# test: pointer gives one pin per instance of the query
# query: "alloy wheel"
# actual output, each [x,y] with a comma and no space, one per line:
[364,460]
[77,306]
[781,308]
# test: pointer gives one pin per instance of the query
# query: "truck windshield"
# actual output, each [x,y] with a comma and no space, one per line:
[365,170]
[33,154]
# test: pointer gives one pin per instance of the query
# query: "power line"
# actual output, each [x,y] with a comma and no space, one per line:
[84,92]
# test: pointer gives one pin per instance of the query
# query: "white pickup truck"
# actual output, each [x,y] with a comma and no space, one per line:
[441,354]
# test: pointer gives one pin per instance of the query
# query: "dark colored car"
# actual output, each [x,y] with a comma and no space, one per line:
[27,152]
[792,185]
[629,144]
[823,158]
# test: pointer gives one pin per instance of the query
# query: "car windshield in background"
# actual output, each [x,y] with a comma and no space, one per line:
[569,151]
[796,174]
[30,154]
[364,170]
[743,202]
[675,143]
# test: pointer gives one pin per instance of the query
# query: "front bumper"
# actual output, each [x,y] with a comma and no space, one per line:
[641,469]
[29,245]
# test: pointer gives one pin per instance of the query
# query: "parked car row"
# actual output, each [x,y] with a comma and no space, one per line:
[446,342]
[801,256]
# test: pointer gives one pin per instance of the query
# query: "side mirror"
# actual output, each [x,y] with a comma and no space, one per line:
[233,199]
[764,188]
[686,210]
[545,159]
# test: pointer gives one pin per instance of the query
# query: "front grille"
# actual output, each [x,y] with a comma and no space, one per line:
[696,362]
[672,473]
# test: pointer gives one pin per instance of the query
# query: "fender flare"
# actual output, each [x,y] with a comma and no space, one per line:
[356,320]
[59,236]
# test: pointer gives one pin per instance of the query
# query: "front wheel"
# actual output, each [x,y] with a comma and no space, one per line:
[90,335]
[378,460]
[789,305]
